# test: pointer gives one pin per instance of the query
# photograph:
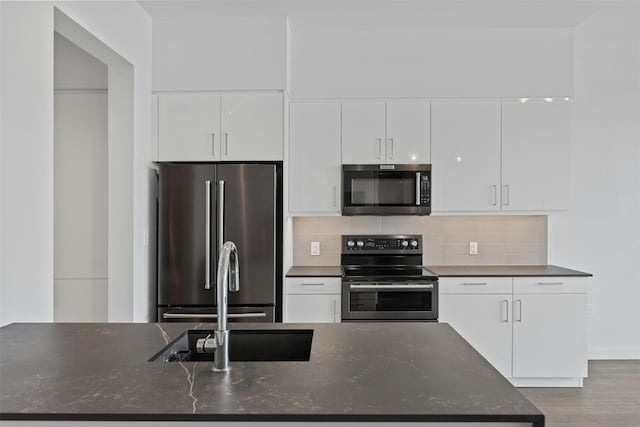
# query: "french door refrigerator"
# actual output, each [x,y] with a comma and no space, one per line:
[201,206]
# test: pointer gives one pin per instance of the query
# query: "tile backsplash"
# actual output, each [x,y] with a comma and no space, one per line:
[502,240]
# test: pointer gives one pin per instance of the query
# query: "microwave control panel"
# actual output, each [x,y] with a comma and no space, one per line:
[425,190]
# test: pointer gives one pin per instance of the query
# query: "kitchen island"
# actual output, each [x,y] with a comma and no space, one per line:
[357,372]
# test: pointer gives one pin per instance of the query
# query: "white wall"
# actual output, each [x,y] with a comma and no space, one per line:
[601,232]
[26,168]
[219,53]
[26,225]
[431,63]
[75,69]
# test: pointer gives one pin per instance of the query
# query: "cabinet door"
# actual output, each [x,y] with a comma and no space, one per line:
[536,142]
[408,132]
[320,308]
[465,153]
[314,158]
[484,320]
[188,127]
[252,127]
[549,335]
[363,132]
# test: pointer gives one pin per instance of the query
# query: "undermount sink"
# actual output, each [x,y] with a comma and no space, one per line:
[255,345]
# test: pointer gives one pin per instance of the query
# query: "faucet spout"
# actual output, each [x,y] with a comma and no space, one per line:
[228,279]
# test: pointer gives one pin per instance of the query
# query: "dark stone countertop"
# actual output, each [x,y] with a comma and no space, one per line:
[390,372]
[315,271]
[504,270]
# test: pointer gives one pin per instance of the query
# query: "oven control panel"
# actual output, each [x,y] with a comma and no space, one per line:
[382,243]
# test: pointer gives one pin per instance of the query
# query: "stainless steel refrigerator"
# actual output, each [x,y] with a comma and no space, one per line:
[194,218]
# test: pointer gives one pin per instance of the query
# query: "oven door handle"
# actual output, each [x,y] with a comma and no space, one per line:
[391,287]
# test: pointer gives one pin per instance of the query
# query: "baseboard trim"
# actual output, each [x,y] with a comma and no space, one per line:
[619,353]
[546,382]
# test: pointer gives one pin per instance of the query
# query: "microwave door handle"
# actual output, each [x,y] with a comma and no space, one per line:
[417,188]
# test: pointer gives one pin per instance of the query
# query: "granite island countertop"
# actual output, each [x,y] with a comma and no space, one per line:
[417,372]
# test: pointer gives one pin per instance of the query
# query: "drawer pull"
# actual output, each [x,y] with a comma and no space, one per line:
[312,284]
[475,284]
[550,283]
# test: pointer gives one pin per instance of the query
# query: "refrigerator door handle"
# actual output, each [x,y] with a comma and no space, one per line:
[207,234]
[211,316]
[220,215]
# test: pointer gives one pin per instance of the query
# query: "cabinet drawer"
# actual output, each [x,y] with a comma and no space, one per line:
[475,285]
[549,285]
[313,285]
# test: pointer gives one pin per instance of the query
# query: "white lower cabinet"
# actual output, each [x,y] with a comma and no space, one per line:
[312,300]
[535,335]
[482,321]
[550,329]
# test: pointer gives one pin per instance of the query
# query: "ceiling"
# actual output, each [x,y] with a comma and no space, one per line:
[394,14]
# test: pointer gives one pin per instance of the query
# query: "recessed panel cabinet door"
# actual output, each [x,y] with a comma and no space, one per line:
[536,143]
[252,127]
[549,335]
[407,132]
[484,320]
[363,133]
[188,127]
[465,156]
[314,175]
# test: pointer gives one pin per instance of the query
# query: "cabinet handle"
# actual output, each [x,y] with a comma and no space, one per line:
[226,144]
[335,311]
[519,318]
[379,148]
[312,284]
[335,196]
[391,155]
[505,310]
[493,195]
[475,284]
[550,283]
[213,144]
[507,197]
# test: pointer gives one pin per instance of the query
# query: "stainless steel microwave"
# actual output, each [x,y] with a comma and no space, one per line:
[386,189]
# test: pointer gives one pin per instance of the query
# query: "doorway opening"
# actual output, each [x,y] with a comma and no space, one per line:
[93,177]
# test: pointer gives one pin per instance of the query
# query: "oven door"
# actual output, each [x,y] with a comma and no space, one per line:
[389,301]
[386,189]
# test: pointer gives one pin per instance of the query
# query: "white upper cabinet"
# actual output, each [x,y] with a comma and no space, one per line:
[407,136]
[500,156]
[536,145]
[214,127]
[363,132]
[314,157]
[189,127]
[252,127]
[465,149]
[385,132]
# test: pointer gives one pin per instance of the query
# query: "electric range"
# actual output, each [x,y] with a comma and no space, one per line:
[384,280]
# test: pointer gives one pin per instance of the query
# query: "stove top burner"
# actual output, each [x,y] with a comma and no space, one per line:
[395,273]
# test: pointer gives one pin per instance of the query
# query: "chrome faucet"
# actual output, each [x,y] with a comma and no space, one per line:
[228,277]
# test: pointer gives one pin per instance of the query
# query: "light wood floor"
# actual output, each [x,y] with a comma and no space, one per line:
[610,398]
